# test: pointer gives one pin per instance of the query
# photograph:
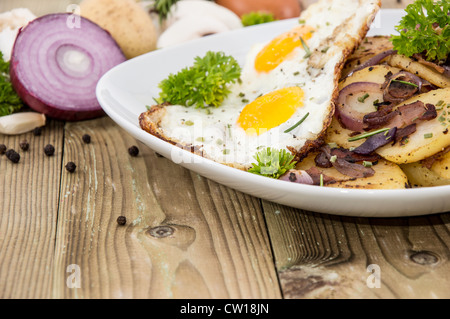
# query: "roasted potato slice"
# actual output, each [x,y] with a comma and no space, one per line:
[374,74]
[423,71]
[336,134]
[420,175]
[430,137]
[387,175]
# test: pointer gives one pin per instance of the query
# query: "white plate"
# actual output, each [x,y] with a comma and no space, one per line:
[124,91]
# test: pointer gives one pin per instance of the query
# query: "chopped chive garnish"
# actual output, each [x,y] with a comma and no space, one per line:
[296,73]
[200,139]
[321,179]
[369,134]
[241,94]
[332,145]
[363,98]
[428,135]
[367,164]
[189,123]
[245,101]
[297,124]
[307,50]
[333,158]
[325,50]
[439,103]
[406,82]
[226,152]
[301,21]
[219,142]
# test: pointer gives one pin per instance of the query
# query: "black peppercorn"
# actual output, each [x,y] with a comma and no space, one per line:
[133,151]
[24,145]
[13,156]
[2,149]
[70,167]
[121,220]
[49,150]
[86,138]
[9,152]
[37,131]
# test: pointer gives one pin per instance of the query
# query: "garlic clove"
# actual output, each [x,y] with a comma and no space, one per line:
[22,122]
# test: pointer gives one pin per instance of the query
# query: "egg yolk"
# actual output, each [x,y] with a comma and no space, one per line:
[281,47]
[270,110]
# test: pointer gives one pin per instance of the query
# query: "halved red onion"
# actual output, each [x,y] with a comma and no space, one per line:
[55,65]
[346,112]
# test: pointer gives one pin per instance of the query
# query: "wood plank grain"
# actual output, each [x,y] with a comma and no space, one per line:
[29,193]
[323,256]
[186,237]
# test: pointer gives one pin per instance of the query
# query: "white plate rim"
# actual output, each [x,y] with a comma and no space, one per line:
[335,201]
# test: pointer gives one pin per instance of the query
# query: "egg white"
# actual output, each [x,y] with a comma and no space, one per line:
[214,131]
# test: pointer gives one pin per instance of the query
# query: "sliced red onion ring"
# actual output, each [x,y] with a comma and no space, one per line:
[55,65]
[373,60]
[348,116]
[297,176]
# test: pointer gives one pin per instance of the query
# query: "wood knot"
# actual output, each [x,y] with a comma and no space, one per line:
[161,231]
[424,258]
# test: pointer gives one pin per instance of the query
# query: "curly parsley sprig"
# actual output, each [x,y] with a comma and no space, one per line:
[9,100]
[204,84]
[272,162]
[425,29]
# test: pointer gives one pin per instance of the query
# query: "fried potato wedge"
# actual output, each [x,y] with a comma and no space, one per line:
[423,71]
[430,137]
[387,175]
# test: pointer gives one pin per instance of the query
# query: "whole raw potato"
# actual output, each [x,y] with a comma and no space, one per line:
[127,22]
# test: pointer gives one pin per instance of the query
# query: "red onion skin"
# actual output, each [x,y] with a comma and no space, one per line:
[373,61]
[343,111]
[35,102]
[301,177]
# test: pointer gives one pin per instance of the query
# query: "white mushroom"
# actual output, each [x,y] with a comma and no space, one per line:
[185,8]
[191,19]
[21,122]
[189,28]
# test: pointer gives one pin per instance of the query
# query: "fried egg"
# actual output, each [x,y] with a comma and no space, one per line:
[285,99]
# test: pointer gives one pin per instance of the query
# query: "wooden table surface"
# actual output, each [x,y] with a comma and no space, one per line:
[187,236]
